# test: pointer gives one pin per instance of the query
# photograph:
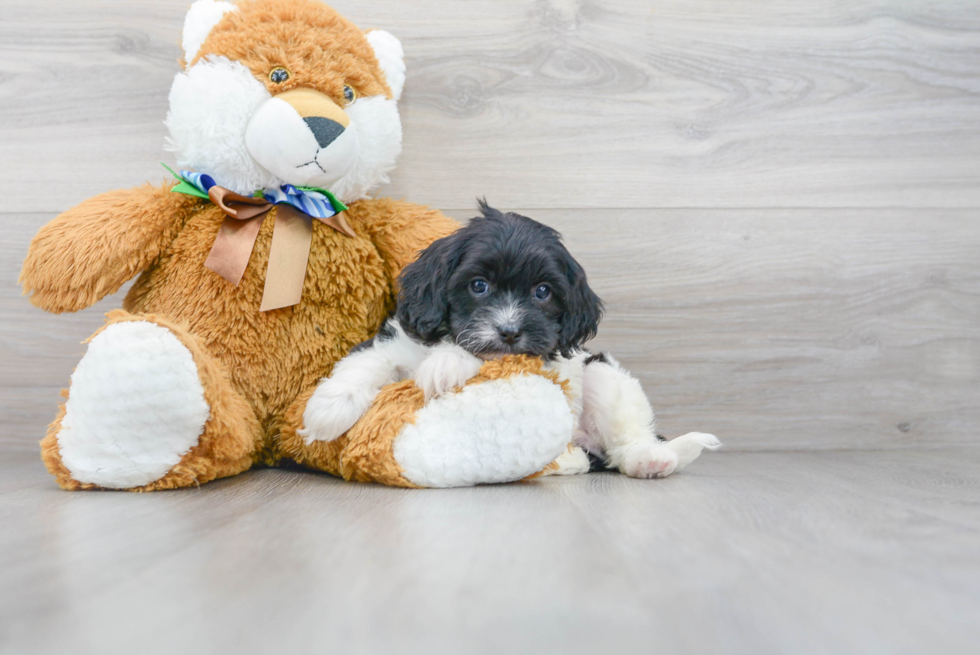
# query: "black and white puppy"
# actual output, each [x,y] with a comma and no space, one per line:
[503,284]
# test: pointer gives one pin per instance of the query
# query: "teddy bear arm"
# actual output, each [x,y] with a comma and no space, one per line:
[400,230]
[91,250]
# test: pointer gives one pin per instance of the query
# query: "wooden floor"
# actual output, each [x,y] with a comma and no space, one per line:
[755,553]
[779,202]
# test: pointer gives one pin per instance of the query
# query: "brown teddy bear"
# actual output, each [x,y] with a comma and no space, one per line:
[258,270]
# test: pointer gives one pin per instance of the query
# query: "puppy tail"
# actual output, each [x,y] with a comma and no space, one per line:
[689,446]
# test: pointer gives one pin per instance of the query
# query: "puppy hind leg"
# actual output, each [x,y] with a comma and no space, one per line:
[618,420]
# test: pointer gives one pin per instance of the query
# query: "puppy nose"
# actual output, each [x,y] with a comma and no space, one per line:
[325,131]
[509,333]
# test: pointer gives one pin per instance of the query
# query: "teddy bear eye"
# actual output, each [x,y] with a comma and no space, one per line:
[349,94]
[278,75]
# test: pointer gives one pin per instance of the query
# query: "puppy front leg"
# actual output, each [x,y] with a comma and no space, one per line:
[343,398]
[617,418]
[446,367]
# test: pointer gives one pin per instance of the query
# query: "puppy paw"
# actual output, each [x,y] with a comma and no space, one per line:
[446,369]
[647,459]
[333,410]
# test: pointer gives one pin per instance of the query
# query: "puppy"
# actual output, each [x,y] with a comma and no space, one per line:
[504,284]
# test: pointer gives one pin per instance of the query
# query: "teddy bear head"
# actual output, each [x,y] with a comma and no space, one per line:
[280,92]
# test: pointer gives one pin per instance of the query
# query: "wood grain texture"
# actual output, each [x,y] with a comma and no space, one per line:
[856,552]
[779,204]
[772,329]
[556,103]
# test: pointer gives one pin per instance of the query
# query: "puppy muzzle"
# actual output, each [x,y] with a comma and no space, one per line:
[304,138]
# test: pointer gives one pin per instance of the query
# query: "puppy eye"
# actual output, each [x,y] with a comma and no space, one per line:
[350,95]
[543,292]
[278,75]
[479,286]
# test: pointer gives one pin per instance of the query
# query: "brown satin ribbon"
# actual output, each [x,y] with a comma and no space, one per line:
[289,253]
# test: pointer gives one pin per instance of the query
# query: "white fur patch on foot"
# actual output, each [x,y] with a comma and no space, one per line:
[496,431]
[136,406]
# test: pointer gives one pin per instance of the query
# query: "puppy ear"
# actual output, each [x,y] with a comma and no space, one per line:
[423,307]
[583,310]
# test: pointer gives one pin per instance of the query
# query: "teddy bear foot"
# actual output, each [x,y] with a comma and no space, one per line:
[574,461]
[495,431]
[135,408]
[148,409]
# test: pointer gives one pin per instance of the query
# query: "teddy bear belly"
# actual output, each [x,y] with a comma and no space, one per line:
[271,357]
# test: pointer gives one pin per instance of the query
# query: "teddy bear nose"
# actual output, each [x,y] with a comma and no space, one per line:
[324,130]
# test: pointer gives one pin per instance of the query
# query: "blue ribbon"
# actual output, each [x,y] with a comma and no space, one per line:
[315,202]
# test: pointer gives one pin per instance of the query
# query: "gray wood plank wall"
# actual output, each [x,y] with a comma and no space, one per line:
[778,201]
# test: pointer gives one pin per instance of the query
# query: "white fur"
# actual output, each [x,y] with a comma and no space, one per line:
[446,367]
[379,136]
[210,107]
[496,431]
[610,415]
[200,20]
[689,446]
[223,122]
[617,420]
[356,162]
[391,57]
[507,314]
[135,408]
[616,412]
[573,461]
[281,142]
[340,400]
[571,370]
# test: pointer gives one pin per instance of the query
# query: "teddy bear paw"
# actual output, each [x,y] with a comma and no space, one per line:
[136,406]
[496,431]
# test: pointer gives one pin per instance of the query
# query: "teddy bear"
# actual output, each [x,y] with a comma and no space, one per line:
[261,264]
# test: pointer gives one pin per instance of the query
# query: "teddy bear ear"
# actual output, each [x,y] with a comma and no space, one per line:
[201,17]
[390,55]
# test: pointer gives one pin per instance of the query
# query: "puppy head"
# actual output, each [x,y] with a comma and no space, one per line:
[504,284]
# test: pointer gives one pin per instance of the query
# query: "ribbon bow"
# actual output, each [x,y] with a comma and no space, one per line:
[292,234]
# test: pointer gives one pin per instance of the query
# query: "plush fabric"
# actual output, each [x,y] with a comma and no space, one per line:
[507,423]
[191,381]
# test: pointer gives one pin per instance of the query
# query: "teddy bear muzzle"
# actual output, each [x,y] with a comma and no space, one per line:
[303,137]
